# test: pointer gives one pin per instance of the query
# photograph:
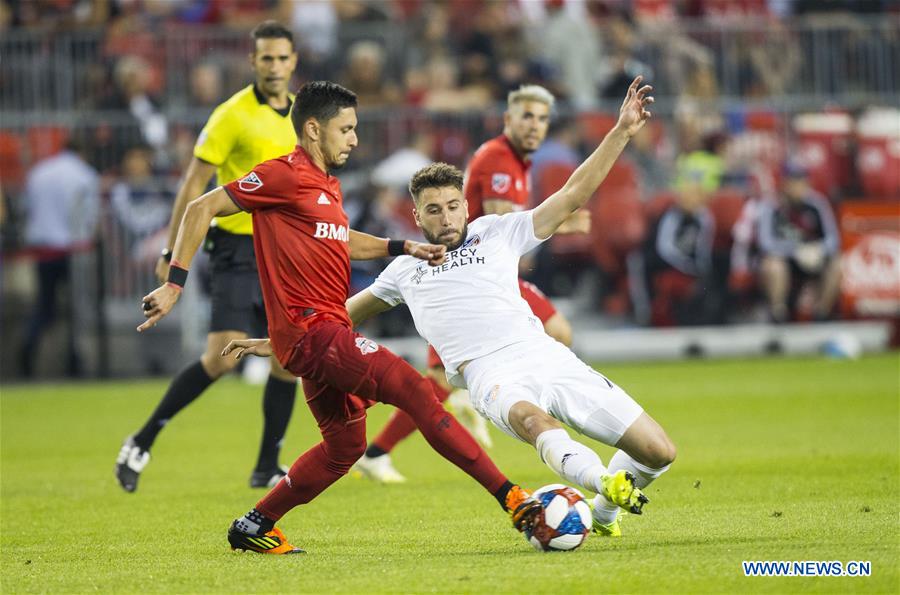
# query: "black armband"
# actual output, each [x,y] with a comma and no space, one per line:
[396,247]
[177,275]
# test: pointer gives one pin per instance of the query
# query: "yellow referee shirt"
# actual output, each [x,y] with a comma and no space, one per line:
[241,133]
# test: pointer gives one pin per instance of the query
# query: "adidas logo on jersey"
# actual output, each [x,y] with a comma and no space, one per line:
[323,200]
[330,231]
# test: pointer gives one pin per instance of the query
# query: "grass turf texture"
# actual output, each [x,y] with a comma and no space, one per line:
[793,459]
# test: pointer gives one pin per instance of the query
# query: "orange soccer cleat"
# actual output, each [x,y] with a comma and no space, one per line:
[522,508]
[273,542]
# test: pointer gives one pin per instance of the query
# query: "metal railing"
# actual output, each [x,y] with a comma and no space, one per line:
[847,61]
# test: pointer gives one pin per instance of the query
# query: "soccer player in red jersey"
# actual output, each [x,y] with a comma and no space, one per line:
[303,249]
[497,182]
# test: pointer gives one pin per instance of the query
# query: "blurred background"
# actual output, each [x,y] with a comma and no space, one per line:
[758,103]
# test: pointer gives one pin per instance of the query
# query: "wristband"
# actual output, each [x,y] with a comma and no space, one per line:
[177,275]
[396,247]
[166,255]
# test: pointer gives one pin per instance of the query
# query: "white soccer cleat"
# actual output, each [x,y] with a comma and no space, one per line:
[378,469]
[129,463]
[461,406]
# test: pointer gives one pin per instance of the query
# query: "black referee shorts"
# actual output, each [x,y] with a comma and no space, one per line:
[237,302]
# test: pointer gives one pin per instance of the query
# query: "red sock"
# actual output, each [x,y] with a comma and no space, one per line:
[401,425]
[403,387]
[316,469]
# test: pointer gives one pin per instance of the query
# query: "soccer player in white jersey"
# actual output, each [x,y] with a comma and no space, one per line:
[529,385]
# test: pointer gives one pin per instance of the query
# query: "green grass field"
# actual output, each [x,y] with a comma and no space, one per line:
[793,459]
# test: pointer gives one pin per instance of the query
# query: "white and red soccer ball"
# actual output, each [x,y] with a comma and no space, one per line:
[564,522]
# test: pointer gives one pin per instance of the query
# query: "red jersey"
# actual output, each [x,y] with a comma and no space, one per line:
[302,241]
[496,172]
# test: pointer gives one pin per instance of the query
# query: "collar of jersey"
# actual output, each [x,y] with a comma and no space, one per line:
[515,153]
[298,150]
[283,112]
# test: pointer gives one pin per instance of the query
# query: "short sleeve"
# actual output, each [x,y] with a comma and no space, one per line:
[218,137]
[518,229]
[496,182]
[385,287]
[271,183]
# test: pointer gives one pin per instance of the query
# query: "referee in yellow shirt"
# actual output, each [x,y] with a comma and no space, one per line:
[252,126]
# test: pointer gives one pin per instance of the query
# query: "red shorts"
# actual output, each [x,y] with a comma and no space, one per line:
[344,373]
[538,302]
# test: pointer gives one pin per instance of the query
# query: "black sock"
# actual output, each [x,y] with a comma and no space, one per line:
[501,494]
[373,451]
[278,403]
[185,387]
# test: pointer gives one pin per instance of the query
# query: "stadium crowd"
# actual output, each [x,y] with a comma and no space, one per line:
[714,209]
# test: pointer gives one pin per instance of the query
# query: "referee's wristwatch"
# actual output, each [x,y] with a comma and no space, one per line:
[166,255]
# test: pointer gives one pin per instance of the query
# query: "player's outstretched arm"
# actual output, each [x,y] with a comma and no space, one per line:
[195,180]
[551,213]
[366,247]
[364,305]
[194,225]
[242,347]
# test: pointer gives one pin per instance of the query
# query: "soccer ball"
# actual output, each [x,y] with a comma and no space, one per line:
[565,521]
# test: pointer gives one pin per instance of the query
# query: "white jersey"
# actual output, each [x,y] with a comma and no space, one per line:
[469,306]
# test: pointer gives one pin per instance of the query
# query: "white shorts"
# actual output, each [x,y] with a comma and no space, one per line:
[548,375]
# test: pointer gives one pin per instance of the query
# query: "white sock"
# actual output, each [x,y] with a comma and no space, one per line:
[604,511]
[573,461]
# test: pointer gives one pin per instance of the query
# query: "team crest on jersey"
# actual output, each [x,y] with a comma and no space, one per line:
[250,182]
[501,182]
[421,271]
[473,241]
[366,346]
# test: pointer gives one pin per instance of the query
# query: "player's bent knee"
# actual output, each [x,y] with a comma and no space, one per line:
[344,450]
[660,453]
[530,421]
[217,366]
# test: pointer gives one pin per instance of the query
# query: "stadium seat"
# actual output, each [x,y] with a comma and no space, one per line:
[44,141]
[763,121]
[619,226]
[656,206]
[12,162]
[595,125]
[878,156]
[726,206]
[823,148]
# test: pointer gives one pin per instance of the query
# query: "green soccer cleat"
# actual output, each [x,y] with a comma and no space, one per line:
[619,489]
[610,530]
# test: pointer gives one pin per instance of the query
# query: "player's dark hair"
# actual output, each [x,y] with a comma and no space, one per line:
[436,175]
[321,100]
[271,30]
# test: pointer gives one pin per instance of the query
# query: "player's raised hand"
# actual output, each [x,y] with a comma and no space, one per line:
[242,347]
[157,304]
[634,112]
[433,253]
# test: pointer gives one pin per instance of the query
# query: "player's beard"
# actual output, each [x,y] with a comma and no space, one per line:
[433,239]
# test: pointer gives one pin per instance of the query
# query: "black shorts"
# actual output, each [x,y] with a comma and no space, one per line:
[237,302]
